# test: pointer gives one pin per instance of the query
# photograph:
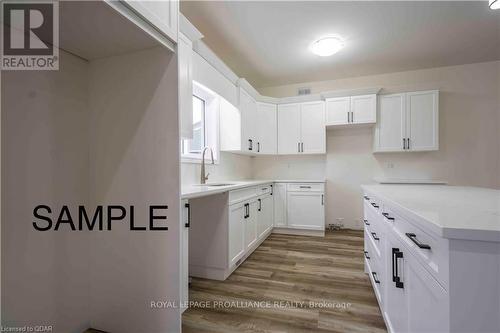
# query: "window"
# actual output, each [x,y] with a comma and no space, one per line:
[205,125]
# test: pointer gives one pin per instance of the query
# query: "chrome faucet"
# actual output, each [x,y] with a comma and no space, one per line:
[203,177]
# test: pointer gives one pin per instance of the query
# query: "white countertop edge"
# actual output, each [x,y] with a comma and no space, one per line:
[444,232]
[197,191]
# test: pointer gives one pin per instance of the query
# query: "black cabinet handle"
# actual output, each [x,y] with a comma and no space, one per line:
[404,143]
[298,147]
[396,254]
[375,205]
[388,217]
[302,146]
[260,204]
[375,277]
[247,211]
[188,223]
[250,144]
[375,236]
[414,239]
[366,255]
[366,222]
[408,143]
[366,198]
[303,186]
[272,189]
[322,200]
[258,147]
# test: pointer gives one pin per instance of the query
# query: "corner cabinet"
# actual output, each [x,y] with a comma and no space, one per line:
[408,122]
[163,15]
[301,128]
[351,110]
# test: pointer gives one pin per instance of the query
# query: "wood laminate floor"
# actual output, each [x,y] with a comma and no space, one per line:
[271,291]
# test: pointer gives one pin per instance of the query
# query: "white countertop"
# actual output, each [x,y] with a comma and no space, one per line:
[196,191]
[449,211]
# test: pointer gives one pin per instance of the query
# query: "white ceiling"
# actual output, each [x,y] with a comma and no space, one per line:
[267,42]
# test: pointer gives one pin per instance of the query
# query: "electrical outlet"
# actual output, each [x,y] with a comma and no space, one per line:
[390,165]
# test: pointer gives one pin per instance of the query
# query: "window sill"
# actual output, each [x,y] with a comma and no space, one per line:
[189,160]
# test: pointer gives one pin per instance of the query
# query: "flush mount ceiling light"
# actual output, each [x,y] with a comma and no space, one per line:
[327,46]
[494,4]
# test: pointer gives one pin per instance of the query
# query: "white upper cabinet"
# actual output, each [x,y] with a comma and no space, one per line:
[349,110]
[267,129]
[289,128]
[248,109]
[163,15]
[422,120]
[301,128]
[185,62]
[391,127]
[337,110]
[408,122]
[364,109]
[313,131]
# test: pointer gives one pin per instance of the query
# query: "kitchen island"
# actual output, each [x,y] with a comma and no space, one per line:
[433,256]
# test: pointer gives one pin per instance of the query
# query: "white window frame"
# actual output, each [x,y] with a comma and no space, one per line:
[212,105]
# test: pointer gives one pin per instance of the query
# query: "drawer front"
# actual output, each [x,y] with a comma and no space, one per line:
[263,189]
[373,202]
[375,270]
[246,193]
[432,251]
[375,228]
[306,187]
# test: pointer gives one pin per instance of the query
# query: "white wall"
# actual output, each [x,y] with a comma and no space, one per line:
[135,161]
[45,158]
[230,167]
[469,137]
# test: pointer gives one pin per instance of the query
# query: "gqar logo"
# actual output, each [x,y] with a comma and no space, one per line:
[100,219]
[30,35]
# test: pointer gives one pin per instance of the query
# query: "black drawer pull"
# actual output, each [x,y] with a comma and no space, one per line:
[374,205]
[375,277]
[414,239]
[375,236]
[388,217]
[396,254]
[366,222]
[366,255]
[188,223]
[366,198]
[304,186]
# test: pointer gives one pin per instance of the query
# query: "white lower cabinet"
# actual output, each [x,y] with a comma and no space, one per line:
[250,221]
[265,214]
[429,283]
[237,213]
[280,205]
[305,210]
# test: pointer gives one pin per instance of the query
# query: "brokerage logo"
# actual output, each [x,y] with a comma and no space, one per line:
[30,35]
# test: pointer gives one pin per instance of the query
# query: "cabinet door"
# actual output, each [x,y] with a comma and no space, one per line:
[313,130]
[185,61]
[422,120]
[337,110]
[248,109]
[427,300]
[289,128]
[265,220]
[279,194]
[396,298]
[305,210]
[236,232]
[184,264]
[391,126]
[163,15]
[251,224]
[267,129]
[364,109]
